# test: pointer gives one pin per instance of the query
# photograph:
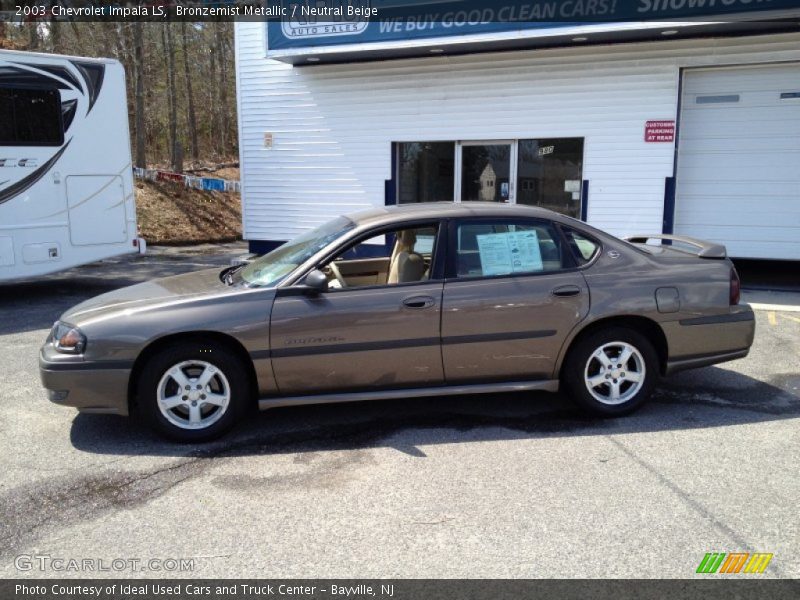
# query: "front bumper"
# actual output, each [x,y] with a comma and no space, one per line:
[89,386]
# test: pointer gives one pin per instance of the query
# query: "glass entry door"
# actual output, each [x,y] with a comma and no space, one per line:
[486,171]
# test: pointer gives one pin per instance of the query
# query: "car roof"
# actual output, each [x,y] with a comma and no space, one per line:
[438,210]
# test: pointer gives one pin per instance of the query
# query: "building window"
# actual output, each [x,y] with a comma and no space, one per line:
[539,172]
[550,174]
[30,117]
[426,172]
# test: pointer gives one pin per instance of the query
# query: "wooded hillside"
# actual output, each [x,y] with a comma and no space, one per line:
[180,77]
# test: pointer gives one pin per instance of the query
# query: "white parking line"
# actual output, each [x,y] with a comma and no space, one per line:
[775,307]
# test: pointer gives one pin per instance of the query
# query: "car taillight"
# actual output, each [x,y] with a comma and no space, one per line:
[736,287]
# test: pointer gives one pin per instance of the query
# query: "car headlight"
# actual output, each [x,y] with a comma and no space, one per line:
[67,339]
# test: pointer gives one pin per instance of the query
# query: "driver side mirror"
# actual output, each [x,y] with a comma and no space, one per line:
[316,281]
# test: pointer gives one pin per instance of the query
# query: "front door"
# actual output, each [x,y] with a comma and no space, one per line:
[512,297]
[376,327]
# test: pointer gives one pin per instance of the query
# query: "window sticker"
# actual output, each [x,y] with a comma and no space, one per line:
[511,252]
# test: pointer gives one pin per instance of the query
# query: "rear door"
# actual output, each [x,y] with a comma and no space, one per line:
[512,294]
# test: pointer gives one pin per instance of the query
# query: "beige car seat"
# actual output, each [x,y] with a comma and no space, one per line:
[405,264]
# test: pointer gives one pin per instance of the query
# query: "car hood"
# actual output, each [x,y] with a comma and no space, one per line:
[166,290]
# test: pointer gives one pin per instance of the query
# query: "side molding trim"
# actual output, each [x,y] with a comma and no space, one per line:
[693,362]
[736,317]
[447,390]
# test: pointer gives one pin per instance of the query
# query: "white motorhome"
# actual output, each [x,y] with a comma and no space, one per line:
[66,183]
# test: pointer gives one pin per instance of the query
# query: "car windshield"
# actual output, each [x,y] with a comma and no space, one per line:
[270,269]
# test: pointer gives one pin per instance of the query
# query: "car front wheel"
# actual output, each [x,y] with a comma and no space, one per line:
[193,392]
[612,371]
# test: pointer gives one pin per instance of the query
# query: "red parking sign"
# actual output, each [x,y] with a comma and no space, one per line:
[659,131]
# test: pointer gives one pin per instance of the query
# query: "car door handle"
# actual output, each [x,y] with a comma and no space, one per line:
[418,302]
[565,291]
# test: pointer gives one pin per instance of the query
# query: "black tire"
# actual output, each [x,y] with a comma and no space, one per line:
[158,371]
[584,361]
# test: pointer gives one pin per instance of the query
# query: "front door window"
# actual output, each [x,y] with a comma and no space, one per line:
[390,258]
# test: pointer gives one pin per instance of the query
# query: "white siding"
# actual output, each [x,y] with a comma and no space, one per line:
[333,124]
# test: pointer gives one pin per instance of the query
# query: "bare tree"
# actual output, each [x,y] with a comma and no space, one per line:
[175,154]
[138,77]
[223,84]
[33,36]
[191,116]
[216,116]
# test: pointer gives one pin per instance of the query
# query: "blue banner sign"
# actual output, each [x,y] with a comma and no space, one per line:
[303,24]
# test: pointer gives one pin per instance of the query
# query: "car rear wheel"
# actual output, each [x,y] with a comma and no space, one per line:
[193,392]
[611,371]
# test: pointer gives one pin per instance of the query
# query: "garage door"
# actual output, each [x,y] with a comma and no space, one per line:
[739,160]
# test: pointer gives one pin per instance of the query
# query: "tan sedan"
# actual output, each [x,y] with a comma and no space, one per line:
[422,300]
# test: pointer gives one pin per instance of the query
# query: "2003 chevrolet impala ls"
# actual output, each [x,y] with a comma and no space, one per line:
[401,302]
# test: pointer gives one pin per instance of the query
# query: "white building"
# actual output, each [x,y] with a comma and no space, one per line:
[691,128]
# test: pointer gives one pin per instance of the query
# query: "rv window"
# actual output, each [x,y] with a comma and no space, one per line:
[31,117]
[6,112]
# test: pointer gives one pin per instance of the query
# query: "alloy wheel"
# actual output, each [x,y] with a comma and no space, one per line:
[614,373]
[193,394]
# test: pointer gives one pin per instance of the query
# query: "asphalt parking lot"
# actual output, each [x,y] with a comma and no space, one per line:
[514,485]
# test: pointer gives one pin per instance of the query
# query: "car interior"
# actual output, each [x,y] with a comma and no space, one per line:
[401,256]
[483,249]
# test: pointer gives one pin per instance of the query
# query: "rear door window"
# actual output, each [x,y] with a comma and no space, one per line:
[497,248]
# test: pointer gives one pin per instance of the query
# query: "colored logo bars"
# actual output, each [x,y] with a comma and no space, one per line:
[734,562]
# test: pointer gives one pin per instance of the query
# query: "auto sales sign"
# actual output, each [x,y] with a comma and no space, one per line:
[305,24]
